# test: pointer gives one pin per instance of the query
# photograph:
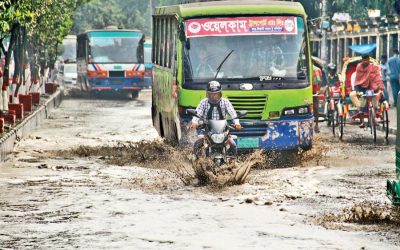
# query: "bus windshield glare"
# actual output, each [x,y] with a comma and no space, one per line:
[147,54]
[114,49]
[252,56]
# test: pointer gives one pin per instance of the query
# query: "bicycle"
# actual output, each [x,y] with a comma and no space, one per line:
[374,114]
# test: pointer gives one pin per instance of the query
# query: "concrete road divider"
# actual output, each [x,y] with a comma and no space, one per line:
[18,108]
[50,88]
[9,117]
[35,97]
[26,100]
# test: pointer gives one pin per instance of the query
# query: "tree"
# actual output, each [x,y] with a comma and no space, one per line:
[34,28]
[127,14]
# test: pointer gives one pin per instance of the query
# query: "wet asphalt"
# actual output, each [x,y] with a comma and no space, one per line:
[54,200]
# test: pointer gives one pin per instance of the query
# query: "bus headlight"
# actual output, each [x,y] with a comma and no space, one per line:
[289,112]
[303,110]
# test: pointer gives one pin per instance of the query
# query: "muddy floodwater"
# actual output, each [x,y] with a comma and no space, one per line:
[96,176]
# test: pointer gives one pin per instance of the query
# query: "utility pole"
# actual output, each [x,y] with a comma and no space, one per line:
[151,14]
[324,41]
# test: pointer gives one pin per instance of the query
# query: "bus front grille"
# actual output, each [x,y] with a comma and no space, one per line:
[253,104]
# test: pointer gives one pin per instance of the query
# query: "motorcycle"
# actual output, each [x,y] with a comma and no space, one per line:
[215,139]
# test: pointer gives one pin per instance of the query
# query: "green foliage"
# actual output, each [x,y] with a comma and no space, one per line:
[34,28]
[46,22]
[128,14]
[356,8]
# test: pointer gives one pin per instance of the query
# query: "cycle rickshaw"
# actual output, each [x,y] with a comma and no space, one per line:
[328,100]
[373,109]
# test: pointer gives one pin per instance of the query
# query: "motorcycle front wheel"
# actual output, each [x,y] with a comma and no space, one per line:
[218,162]
[198,148]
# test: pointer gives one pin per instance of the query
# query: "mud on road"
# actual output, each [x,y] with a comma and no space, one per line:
[87,179]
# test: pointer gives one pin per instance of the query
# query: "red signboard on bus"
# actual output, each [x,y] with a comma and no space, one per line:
[241,26]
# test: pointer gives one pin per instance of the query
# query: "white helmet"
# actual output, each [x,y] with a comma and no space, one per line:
[212,88]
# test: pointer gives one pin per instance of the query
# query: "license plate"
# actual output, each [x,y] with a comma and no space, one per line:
[248,142]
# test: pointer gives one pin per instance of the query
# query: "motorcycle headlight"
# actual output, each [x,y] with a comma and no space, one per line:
[218,138]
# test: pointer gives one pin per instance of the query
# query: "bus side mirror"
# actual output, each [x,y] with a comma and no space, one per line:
[182,36]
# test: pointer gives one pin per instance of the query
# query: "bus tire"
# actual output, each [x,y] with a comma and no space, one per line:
[154,115]
[153,110]
[80,82]
[135,94]
[161,126]
[174,136]
[83,86]
[306,148]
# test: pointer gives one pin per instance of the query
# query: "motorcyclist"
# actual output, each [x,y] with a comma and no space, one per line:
[333,78]
[214,107]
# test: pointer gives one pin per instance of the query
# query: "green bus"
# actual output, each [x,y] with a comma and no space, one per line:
[393,186]
[258,50]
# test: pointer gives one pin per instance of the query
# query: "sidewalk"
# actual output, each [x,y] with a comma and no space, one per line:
[30,122]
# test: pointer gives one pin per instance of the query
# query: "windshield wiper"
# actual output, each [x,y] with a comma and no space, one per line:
[222,63]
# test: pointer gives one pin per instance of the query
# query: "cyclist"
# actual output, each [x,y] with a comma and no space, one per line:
[368,77]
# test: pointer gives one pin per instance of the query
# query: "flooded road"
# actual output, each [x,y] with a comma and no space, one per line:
[333,197]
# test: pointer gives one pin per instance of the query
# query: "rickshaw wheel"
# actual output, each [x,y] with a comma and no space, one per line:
[342,121]
[372,122]
[332,120]
[385,123]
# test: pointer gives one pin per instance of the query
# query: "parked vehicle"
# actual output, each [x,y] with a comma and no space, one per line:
[262,55]
[67,73]
[69,49]
[111,60]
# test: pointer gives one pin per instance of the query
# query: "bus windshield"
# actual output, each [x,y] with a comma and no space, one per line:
[114,49]
[247,56]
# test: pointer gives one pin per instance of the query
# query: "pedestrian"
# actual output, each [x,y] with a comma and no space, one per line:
[394,70]
[317,81]
[385,74]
